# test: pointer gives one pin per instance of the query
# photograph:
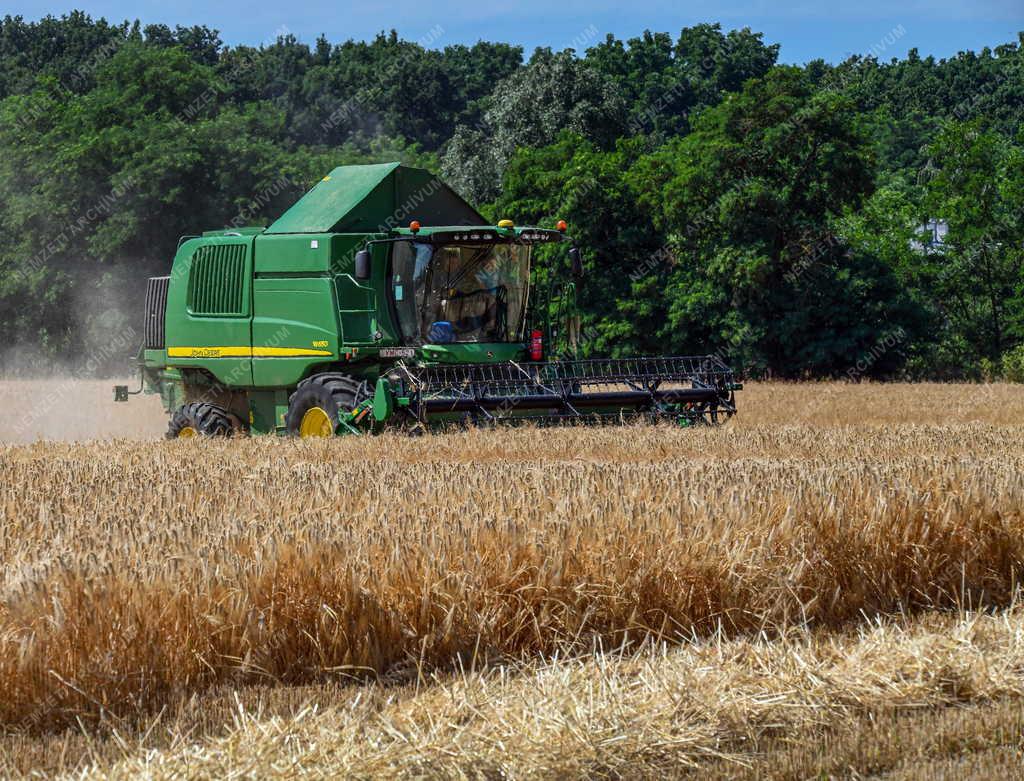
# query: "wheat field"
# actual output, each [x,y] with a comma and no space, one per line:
[840,562]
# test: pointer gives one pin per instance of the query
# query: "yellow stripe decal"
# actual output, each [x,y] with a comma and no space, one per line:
[243,352]
[285,352]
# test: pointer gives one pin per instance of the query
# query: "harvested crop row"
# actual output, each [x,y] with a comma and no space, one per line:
[805,706]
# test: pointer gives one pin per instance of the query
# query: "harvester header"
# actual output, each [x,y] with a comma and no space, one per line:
[381,299]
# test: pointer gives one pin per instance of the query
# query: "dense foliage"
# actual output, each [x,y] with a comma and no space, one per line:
[773,214]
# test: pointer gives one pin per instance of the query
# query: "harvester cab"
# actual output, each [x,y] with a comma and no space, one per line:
[336,320]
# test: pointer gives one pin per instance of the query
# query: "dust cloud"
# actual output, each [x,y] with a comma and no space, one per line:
[68,408]
[56,383]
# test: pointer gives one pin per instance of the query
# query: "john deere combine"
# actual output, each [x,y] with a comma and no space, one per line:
[333,320]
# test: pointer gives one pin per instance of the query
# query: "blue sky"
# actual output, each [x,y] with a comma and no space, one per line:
[806,30]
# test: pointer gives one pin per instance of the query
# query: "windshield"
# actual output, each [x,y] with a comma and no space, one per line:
[460,292]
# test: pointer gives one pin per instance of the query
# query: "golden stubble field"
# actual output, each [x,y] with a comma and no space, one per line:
[840,561]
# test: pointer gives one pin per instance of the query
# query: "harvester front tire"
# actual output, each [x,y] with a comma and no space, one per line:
[320,402]
[200,418]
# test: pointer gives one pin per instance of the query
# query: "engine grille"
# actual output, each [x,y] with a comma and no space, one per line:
[156,312]
[217,280]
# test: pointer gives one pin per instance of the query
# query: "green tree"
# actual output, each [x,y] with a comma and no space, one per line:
[573,179]
[664,82]
[887,229]
[748,202]
[977,275]
[772,214]
[95,189]
[555,93]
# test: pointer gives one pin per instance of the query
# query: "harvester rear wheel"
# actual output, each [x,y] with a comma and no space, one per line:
[200,419]
[323,401]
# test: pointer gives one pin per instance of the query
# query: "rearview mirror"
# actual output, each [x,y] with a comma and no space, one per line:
[577,262]
[363,264]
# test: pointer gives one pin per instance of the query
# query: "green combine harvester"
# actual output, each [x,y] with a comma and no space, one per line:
[333,320]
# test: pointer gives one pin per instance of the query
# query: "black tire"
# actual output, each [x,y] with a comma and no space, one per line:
[201,419]
[333,394]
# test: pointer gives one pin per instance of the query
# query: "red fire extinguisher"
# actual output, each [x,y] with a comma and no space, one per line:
[536,345]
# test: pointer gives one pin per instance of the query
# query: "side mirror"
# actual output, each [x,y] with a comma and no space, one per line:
[576,258]
[363,264]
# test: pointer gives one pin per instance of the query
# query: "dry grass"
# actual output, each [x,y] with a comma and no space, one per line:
[139,575]
[937,696]
[728,709]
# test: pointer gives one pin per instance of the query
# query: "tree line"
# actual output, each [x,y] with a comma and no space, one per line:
[861,219]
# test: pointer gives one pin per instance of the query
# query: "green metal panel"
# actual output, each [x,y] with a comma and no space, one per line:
[267,410]
[295,327]
[473,353]
[422,196]
[291,254]
[251,231]
[219,342]
[172,390]
[373,199]
[365,307]
[308,253]
[383,400]
[334,196]
[357,303]
[344,247]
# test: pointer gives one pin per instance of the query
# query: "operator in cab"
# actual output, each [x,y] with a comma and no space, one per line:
[474,306]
